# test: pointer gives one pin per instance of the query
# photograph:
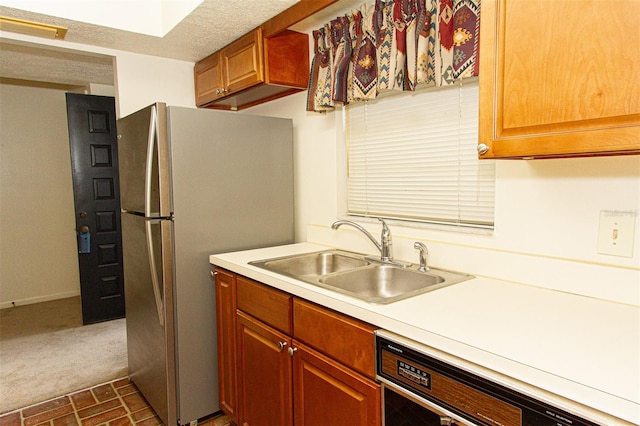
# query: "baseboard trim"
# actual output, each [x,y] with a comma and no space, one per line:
[38,299]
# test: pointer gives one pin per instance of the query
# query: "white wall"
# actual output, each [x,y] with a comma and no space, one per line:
[38,252]
[546,222]
[142,80]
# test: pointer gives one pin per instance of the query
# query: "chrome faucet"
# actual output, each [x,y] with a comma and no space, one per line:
[385,246]
[424,253]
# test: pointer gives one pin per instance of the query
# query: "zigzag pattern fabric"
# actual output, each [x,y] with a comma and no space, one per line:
[365,71]
[393,45]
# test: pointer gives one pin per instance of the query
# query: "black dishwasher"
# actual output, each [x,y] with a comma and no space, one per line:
[418,389]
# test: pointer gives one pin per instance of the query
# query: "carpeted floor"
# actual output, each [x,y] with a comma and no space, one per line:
[45,352]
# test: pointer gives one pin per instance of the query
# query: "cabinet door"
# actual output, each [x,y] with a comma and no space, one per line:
[209,80]
[226,326]
[243,62]
[264,374]
[559,78]
[327,393]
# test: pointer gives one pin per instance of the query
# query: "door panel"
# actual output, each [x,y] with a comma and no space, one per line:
[149,342]
[264,374]
[327,393]
[136,132]
[226,328]
[96,188]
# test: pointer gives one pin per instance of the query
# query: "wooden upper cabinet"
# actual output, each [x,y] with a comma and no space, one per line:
[252,70]
[209,81]
[559,78]
[243,62]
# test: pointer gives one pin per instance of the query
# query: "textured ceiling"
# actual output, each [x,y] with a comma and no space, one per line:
[209,27]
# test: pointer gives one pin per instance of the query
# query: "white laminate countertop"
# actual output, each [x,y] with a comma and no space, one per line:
[578,353]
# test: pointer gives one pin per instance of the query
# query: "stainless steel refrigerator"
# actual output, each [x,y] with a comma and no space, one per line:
[193,182]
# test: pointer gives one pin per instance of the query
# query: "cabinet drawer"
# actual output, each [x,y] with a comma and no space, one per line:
[271,306]
[345,339]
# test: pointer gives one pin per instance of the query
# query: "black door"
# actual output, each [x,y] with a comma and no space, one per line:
[94,163]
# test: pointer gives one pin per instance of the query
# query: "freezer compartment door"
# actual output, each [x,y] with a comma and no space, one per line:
[147,249]
[143,155]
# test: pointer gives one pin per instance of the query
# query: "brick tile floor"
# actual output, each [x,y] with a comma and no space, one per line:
[117,403]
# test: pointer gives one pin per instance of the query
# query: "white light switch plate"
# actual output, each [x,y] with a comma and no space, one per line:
[616,233]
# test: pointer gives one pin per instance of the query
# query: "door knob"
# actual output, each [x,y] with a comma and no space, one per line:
[292,350]
[84,229]
[281,345]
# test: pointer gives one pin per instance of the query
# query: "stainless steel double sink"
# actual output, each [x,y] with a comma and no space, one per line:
[359,276]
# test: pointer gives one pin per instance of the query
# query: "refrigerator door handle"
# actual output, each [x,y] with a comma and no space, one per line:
[153,125]
[155,280]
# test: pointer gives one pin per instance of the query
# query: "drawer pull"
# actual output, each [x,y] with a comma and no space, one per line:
[281,345]
[292,351]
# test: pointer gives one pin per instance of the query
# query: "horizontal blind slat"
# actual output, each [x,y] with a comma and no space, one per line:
[413,156]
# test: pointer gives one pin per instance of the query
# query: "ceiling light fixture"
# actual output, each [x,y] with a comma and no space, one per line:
[32,28]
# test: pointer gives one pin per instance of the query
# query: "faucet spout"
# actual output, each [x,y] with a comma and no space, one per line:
[339,223]
[385,244]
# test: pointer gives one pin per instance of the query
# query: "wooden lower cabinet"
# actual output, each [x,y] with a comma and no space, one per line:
[328,393]
[264,374]
[225,283]
[284,379]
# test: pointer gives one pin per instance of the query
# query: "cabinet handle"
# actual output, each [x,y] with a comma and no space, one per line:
[483,148]
[281,345]
[292,351]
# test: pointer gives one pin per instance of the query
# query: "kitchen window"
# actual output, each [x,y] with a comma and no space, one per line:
[413,157]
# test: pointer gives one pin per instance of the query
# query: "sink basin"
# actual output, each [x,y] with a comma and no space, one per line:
[354,275]
[384,284]
[314,264]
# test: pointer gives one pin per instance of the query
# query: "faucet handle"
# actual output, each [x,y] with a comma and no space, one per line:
[386,232]
[424,252]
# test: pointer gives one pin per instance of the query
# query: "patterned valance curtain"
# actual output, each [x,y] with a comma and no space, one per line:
[393,45]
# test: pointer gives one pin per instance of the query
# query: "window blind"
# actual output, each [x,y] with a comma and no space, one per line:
[413,156]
